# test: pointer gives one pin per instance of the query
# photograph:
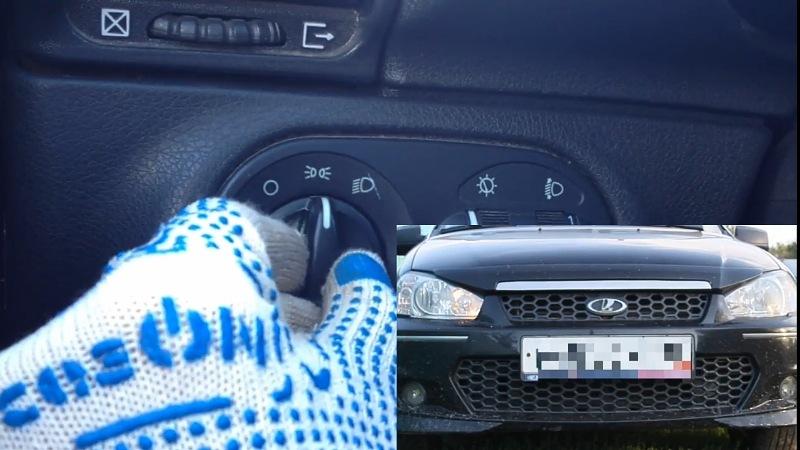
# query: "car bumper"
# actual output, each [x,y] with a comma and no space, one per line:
[430,351]
[412,423]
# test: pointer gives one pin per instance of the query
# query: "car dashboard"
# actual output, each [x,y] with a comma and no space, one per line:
[118,113]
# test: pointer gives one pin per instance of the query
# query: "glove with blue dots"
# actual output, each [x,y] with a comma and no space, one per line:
[189,343]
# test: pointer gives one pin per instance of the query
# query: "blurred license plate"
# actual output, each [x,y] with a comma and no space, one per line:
[607,357]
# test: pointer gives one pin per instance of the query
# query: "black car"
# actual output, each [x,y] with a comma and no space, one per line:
[524,327]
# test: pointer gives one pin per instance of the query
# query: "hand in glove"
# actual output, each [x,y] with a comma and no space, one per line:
[189,342]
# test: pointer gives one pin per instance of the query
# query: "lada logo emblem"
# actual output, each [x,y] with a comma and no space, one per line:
[607,307]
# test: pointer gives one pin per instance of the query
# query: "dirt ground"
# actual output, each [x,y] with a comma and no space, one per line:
[712,439]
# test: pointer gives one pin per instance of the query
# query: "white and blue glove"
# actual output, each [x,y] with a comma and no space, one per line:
[189,342]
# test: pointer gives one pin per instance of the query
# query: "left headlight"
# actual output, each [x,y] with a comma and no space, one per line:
[425,296]
[770,295]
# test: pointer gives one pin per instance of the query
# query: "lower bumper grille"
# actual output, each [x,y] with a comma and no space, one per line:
[493,386]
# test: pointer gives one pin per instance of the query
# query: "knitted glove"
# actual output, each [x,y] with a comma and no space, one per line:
[183,344]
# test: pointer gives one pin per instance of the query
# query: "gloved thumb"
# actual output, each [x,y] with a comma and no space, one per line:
[359,305]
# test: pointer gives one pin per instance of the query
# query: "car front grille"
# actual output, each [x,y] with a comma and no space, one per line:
[493,386]
[571,306]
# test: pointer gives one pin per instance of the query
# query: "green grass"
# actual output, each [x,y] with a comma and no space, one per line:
[701,439]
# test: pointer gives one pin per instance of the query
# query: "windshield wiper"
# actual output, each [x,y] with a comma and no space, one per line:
[444,229]
[687,227]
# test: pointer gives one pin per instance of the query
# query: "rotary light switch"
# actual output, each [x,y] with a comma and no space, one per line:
[331,227]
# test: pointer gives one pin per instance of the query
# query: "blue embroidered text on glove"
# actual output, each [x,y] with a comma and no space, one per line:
[182,345]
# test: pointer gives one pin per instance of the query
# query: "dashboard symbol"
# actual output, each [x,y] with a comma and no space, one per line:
[365,185]
[553,189]
[115,22]
[313,37]
[323,173]
[486,185]
[270,187]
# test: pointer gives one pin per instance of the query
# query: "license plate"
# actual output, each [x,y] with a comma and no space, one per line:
[607,357]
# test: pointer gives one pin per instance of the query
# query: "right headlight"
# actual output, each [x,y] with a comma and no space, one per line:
[425,296]
[772,294]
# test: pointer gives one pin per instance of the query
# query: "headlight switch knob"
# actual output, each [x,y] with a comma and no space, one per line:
[331,227]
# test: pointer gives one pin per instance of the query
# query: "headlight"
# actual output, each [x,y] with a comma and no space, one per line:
[425,296]
[770,295]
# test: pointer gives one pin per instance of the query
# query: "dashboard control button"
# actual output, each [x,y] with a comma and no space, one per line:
[160,28]
[188,27]
[215,30]
[352,204]
[331,227]
[238,32]
[511,185]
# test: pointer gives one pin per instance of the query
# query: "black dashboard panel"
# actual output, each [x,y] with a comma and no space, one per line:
[390,181]
[320,39]
[704,54]
[95,165]
[664,112]
[397,181]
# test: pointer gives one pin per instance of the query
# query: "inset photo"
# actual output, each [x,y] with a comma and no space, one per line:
[543,337]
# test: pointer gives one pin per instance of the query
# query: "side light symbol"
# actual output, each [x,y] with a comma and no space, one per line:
[323,173]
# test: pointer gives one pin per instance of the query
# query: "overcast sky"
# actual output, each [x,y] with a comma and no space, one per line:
[780,233]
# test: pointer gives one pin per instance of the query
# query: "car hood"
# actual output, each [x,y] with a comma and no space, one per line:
[481,258]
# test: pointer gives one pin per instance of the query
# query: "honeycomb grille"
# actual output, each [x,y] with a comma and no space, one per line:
[571,306]
[720,385]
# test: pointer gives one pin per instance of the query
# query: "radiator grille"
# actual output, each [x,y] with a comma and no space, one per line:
[571,306]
